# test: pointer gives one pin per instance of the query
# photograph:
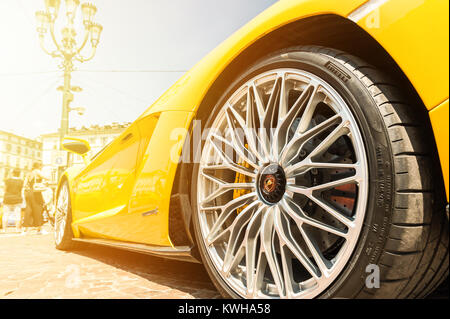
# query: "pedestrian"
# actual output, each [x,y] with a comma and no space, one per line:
[34,202]
[12,201]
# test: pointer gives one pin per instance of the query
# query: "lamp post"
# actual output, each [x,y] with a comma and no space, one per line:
[67,49]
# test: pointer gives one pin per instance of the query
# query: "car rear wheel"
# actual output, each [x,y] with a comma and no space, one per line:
[313,171]
[63,219]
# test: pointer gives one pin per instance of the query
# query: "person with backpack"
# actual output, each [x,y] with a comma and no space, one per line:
[12,201]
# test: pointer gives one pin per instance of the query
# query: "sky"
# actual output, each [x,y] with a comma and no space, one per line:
[138,38]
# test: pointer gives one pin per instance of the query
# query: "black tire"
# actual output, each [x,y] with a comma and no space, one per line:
[405,230]
[67,242]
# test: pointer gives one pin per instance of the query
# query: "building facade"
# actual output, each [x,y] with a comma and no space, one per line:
[98,137]
[17,152]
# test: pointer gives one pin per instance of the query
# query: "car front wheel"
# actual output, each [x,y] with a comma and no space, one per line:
[315,173]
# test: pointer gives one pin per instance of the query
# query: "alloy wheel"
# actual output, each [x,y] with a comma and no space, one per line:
[62,207]
[282,186]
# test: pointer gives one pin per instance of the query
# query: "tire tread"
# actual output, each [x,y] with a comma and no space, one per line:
[415,259]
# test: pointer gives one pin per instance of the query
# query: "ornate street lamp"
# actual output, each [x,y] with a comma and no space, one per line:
[67,49]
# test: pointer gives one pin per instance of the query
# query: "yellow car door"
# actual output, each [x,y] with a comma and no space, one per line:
[115,191]
[87,200]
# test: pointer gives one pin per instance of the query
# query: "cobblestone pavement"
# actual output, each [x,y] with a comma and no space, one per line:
[30,267]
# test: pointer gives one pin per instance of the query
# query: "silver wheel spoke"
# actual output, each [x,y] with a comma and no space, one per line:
[299,216]
[309,110]
[336,183]
[340,130]
[235,230]
[283,109]
[309,165]
[236,168]
[226,211]
[286,263]
[282,131]
[333,212]
[271,116]
[248,129]
[237,148]
[287,239]
[260,270]
[229,163]
[223,188]
[237,139]
[260,131]
[295,145]
[251,126]
[322,263]
[308,191]
[326,207]
[267,245]
[251,236]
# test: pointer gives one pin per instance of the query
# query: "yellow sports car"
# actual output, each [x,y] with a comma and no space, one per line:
[307,156]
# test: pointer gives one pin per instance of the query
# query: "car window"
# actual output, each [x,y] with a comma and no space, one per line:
[98,153]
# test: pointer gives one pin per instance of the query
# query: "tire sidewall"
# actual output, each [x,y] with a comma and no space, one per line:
[373,234]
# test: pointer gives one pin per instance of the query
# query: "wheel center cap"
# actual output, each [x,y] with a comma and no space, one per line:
[271,183]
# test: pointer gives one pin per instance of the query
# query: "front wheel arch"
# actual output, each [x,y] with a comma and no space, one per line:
[326,30]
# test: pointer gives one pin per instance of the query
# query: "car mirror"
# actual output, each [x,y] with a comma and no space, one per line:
[76,145]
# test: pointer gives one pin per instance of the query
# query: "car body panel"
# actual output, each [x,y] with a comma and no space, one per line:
[398,19]
[422,53]
[112,182]
[113,195]
[141,213]
[150,198]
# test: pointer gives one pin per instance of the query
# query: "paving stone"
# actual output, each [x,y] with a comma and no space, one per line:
[31,267]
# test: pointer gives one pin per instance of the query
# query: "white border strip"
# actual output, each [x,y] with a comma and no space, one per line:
[365,9]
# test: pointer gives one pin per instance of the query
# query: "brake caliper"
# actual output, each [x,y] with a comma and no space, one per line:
[241,178]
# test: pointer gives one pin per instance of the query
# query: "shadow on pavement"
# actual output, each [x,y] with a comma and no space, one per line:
[185,276]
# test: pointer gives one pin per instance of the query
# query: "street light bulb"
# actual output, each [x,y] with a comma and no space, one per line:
[43,19]
[89,11]
[81,110]
[68,37]
[76,89]
[96,30]
[53,7]
[71,7]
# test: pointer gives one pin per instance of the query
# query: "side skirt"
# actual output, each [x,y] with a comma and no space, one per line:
[182,253]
